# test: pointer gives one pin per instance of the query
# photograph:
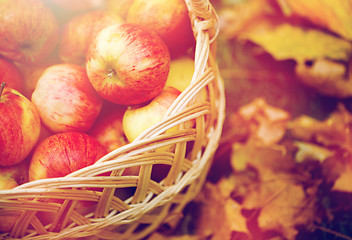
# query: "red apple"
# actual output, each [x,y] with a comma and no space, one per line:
[65,99]
[11,75]
[28,31]
[127,64]
[79,32]
[19,126]
[63,153]
[107,129]
[169,19]
[139,118]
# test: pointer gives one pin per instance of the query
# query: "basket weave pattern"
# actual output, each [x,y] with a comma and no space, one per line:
[132,206]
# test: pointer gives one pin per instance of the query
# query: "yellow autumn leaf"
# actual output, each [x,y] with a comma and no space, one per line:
[344,181]
[334,15]
[220,215]
[285,41]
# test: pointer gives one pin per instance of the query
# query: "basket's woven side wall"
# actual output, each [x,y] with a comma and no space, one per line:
[105,201]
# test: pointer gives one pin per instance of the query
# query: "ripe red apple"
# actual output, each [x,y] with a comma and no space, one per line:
[65,99]
[79,32]
[127,64]
[11,75]
[107,129]
[169,19]
[63,153]
[138,118]
[28,31]
[19,126]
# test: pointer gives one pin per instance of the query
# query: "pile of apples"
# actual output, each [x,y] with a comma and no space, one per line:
[80,78]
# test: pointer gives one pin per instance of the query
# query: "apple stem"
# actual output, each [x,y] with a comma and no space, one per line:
[2,88]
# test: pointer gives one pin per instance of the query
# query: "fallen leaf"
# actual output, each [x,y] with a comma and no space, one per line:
[309,151]
[240,15]
[344,181]
[286,41]
[334,15]
[328,77]
[160,236]
[220,214]
[335,131]
[267,124]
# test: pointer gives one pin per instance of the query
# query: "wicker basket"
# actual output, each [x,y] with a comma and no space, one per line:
[125,206]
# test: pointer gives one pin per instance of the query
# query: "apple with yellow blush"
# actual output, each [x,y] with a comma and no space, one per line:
[19,126]
[139,118]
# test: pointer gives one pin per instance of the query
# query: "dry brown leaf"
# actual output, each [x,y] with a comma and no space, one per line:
[329,141]
[328,77]
[240,16]
[344,181]
[333,131]
[309,151]
[220,214]
[267,124]
[274,190]
[334,15]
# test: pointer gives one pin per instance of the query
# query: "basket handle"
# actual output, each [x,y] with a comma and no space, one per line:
[203,17]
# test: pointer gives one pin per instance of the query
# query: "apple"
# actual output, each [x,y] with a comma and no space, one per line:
[107,129]
[79,5]
[181,73]
[11,75]
[127,64]
[65,99]
[169,19]
[119,8]
[7,221]
[31,74]
[6,183]
[18,172]
[63,153]
[79,32]
[139,118]
[19,126]
[29,31]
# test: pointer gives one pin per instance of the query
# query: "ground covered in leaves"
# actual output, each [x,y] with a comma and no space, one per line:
[283,169]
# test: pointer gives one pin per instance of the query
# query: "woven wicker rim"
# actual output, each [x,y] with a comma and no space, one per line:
[152,203]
